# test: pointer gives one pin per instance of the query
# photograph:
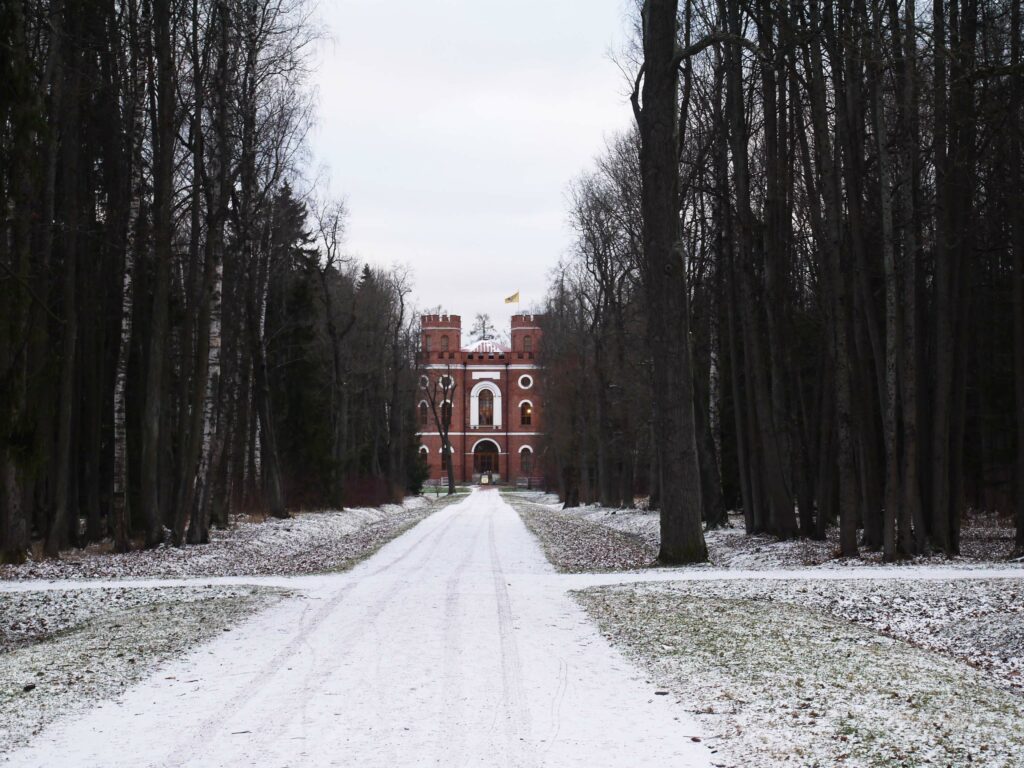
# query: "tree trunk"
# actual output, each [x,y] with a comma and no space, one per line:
[893,496]
[1017,192]
[682,540]
[911,510]
[65,511]
[163,193]
[836,271]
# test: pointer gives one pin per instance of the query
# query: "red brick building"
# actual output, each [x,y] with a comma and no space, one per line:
[497,410]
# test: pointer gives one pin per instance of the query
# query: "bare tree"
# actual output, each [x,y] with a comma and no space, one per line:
[440,393]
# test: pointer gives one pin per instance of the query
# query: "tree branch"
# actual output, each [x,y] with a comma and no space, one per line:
[713,38]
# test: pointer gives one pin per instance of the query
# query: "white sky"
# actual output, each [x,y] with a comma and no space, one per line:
[452,129]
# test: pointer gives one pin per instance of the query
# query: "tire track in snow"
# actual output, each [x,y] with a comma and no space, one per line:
[453,733]
[186,751]
[517,715]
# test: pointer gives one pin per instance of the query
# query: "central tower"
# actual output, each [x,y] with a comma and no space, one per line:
[494,401]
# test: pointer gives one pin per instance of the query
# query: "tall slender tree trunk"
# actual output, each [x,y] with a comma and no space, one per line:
[17,313]
[120,505]
[1017,116]
[65,511]
[836,271]
[163,193]
[911,508]
[198,287]
[943,309]
[664,275]
[893,496]
[270,466]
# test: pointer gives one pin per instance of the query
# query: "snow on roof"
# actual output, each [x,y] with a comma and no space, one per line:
[486,345]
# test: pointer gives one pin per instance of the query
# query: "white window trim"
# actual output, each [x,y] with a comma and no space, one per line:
[486,440]
[529,450]
[474,403]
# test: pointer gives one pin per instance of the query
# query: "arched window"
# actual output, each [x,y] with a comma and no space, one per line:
[526,413]
[444,459]
[486,400]
[446,413]
[528,343]
[526,461]
[424,415]
[444,343]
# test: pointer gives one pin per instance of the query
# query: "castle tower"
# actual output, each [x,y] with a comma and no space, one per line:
[526,334]
[440,336]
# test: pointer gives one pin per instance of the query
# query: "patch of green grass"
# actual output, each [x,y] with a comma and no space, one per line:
[784,680]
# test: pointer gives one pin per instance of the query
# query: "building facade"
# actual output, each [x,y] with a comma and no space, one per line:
[493,395]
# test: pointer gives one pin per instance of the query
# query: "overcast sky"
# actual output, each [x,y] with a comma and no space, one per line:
[452,129]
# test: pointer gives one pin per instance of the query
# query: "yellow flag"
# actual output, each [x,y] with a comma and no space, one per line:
[513,299]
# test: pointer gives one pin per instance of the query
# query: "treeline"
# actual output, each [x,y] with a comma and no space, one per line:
[179,339]
[844,187]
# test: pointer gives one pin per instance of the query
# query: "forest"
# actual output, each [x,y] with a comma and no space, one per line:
[797,287]
[182,336]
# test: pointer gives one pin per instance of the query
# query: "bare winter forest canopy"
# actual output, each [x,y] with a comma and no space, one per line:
[845,343]
[181,337]
[796,289]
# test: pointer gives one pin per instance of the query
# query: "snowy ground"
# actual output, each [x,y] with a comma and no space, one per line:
[788,658]
[574,544]
[775,678]
[986,540]
[100,622]
[456,644]
[310,542]
[64,652]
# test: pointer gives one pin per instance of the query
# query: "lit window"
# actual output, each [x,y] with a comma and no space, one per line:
[526,414]
[486,403]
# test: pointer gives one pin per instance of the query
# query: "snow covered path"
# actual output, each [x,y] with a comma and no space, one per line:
[455,645]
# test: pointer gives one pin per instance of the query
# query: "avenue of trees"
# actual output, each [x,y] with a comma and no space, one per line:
[181,338]
[798,286]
